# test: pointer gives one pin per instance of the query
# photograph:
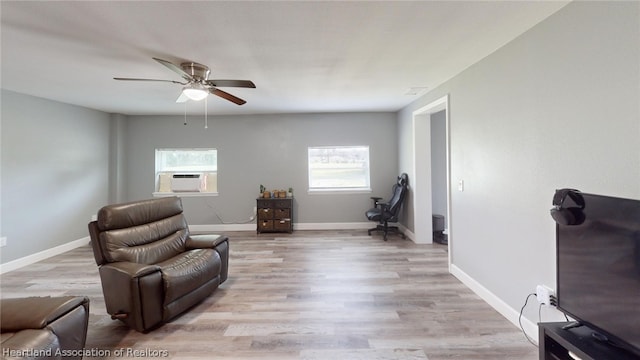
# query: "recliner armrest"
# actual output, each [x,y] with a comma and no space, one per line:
[133,293]
[206,241]
[220,243]
[36,312]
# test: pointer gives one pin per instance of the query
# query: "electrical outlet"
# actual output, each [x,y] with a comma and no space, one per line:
[3,241]
[544,294]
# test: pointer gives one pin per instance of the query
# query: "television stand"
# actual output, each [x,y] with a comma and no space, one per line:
[555,343]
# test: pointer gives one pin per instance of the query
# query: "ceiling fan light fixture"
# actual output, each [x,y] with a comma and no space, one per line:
[195,92]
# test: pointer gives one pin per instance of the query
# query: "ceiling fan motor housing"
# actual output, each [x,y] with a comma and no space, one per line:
[197,71]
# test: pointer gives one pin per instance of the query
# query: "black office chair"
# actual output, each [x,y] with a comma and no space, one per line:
[386,212]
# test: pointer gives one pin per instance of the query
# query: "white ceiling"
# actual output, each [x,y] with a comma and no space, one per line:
[303,56]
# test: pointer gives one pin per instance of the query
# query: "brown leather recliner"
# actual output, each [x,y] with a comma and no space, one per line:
[152,269]
[44,327]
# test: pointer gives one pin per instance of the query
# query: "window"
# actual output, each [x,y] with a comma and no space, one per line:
[186,171]
[339,168]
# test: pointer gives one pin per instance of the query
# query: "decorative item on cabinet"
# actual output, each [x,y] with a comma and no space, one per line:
[278,194]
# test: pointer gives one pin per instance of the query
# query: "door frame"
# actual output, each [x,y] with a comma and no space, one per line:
[422,191]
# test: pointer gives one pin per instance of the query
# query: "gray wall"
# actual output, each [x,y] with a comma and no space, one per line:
[557,107]
[269,150]
[117,158]
[54,172]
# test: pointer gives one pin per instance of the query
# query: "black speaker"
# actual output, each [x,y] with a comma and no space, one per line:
[567,214]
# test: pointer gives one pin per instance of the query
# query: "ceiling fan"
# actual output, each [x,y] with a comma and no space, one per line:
[197,85]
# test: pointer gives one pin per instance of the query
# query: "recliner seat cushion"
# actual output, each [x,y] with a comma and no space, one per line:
[188,271]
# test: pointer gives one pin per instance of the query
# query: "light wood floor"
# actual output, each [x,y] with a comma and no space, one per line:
[307,295]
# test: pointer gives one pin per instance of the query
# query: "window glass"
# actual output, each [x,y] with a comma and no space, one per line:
[338,168]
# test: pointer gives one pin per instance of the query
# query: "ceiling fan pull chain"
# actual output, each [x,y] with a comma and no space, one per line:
[206,125]
[185,113]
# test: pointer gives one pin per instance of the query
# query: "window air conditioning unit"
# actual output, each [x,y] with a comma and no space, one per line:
[187,182]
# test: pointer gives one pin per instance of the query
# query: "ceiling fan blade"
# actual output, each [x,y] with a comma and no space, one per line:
[227,96]
[175,68]
[182,98]
[135,79]
[231,83]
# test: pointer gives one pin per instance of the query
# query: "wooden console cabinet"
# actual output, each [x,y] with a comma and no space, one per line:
[275,215]
[555,343]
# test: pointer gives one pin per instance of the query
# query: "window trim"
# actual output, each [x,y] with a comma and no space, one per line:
[183,194]
[339,191]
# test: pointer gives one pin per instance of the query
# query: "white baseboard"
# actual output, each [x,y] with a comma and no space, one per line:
[530,328]
[296,226]
[408,233]
[222,227]
[333,226]
[42,255]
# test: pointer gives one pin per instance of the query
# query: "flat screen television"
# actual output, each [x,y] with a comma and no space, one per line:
[598,269]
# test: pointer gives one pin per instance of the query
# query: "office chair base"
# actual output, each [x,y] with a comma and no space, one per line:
[386,230]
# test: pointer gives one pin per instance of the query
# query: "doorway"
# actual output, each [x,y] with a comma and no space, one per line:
[423,189]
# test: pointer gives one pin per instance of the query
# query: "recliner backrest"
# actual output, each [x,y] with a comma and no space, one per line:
[146,232]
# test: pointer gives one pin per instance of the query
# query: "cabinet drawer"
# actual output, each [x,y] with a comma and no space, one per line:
[265,214]
[284,224]
[264,203]
[265,225]
[281,203]
[282,213]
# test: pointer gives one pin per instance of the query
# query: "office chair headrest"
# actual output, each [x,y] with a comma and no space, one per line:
[403,179]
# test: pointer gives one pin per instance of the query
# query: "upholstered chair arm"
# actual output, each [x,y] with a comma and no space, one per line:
[206,241]
[210,241]
[36,312]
